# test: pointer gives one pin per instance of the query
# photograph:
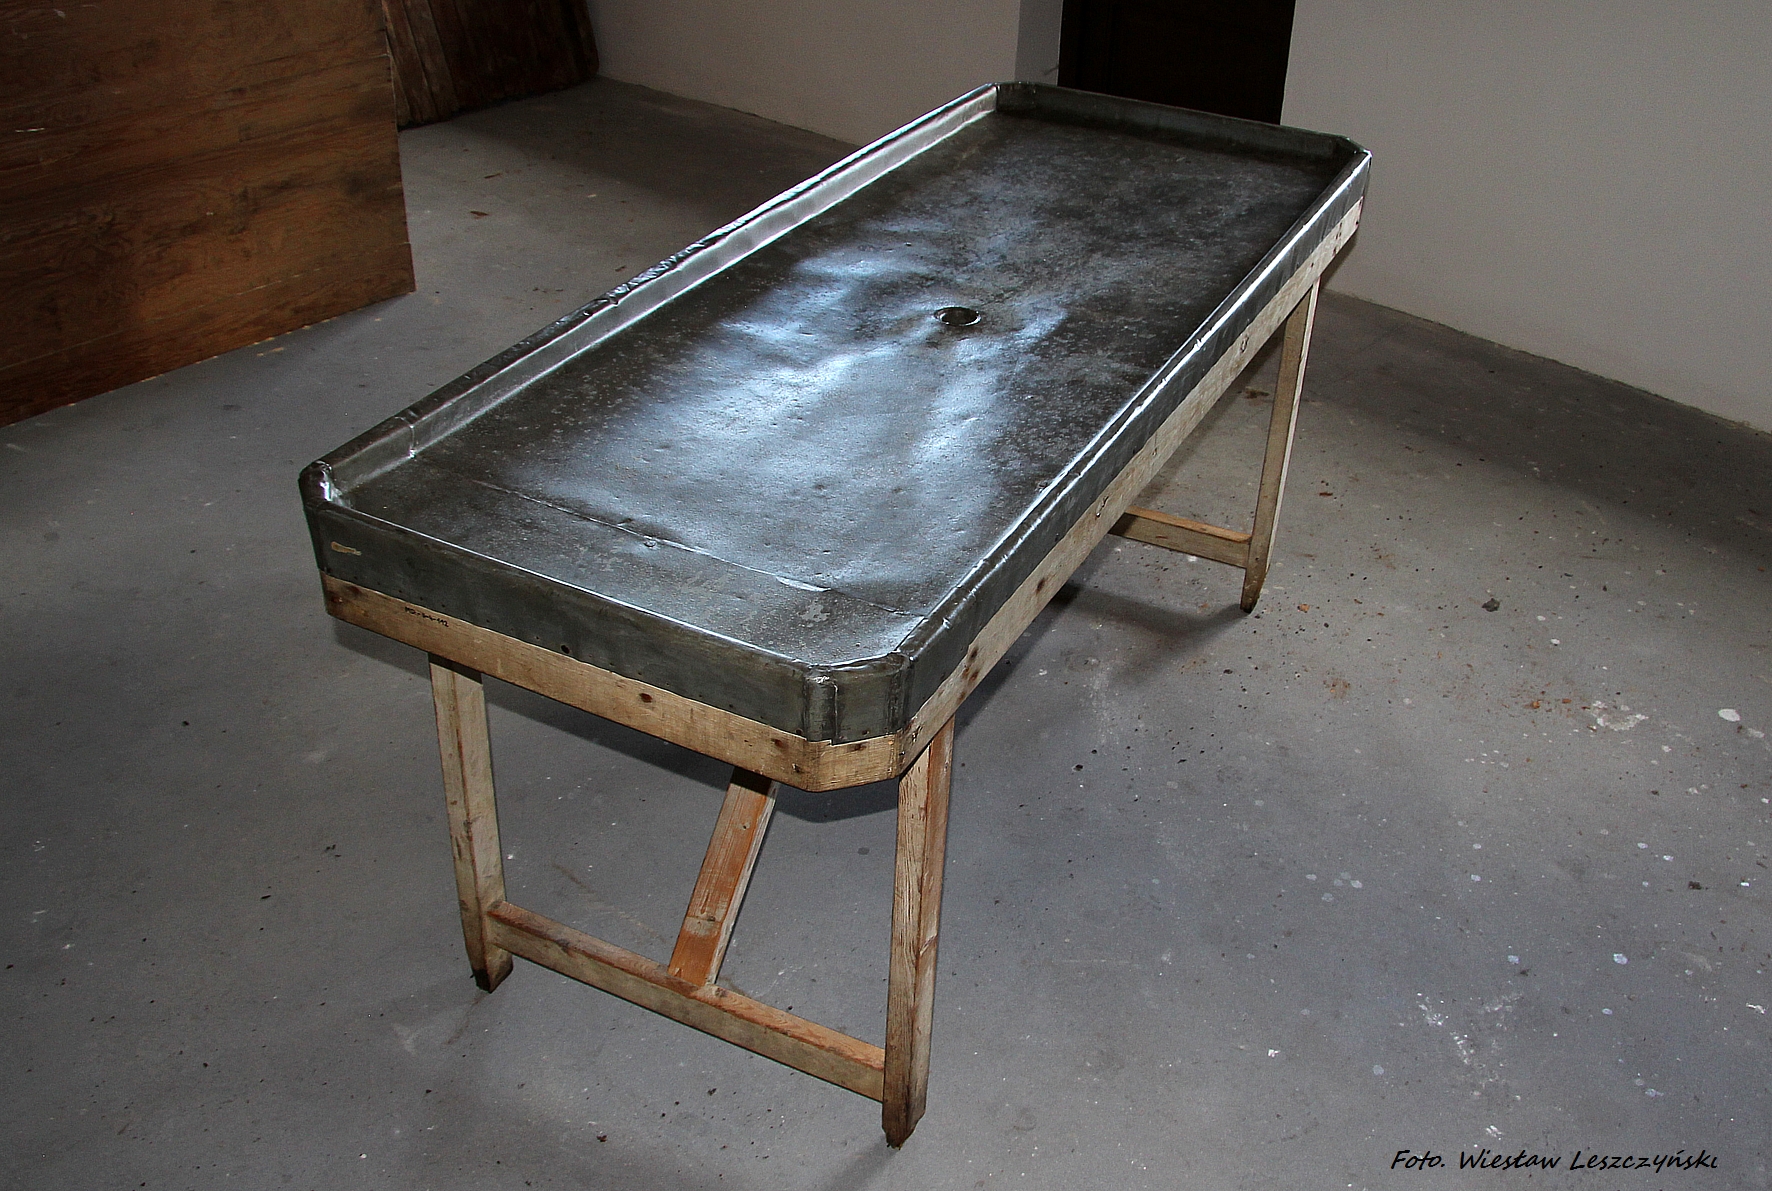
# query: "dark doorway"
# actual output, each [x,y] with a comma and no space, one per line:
[1220,57]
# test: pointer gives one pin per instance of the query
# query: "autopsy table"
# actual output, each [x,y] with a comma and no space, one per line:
[785,498]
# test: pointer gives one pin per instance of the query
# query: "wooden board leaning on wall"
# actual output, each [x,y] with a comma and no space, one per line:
[180,178]
[457,55]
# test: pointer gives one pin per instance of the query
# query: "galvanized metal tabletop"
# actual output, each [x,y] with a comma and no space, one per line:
[793,470]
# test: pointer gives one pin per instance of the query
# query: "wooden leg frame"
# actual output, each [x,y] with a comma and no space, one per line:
[684,989]
[1251,550]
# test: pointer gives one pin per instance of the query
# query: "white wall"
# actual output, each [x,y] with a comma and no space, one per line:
[1589,180]
[851,69]
[1586,180]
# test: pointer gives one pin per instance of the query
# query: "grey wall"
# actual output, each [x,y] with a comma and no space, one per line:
[1036,44]
[853,70]
[1587,181]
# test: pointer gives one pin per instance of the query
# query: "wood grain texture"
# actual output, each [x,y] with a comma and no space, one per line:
[424,91]
[740,742]
[725,875]
[457,55]
[1282,426]
[1230,546]
[460,701]
[916,927]
[803,1045]
[179,178]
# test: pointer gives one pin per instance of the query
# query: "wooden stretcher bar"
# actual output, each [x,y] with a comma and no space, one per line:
[803,1045]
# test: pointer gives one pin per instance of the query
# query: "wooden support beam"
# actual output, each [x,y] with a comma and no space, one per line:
[473,814]
[1229,546]
[725,873]
[710,731]
[1281,426]
[803,1045]
[916,923]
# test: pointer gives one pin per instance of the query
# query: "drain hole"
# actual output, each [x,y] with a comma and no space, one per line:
[957,316]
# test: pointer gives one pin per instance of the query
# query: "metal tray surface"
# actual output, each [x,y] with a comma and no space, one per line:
[765,476]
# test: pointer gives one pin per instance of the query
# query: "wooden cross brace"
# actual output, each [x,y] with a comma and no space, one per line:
[685,989]
[1233,546]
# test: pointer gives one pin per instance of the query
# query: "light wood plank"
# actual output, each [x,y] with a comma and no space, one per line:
[725,874]
[473,815]
[1281,427]
[1229,546]
[803,1045]
[916,926]
[711,731]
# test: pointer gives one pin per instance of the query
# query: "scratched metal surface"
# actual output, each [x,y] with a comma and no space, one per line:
[792,491]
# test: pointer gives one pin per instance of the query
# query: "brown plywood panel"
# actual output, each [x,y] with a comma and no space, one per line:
[182,177]
[136,350]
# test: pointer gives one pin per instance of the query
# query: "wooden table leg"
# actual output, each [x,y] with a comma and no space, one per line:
[473,814]
[1279,445]
[916,921]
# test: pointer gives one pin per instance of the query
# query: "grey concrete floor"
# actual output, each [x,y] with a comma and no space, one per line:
[1231,902]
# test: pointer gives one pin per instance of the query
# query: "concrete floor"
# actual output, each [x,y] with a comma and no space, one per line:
[1231,902]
